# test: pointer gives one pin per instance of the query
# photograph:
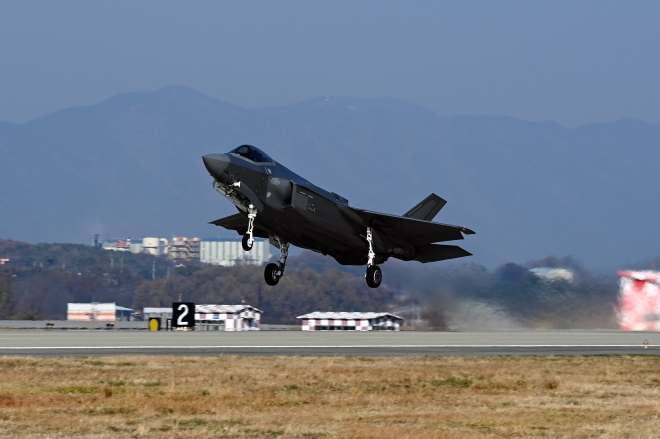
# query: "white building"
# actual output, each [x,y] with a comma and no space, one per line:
[184,248]
[179,248]
[119,245]
[135,246]
[161,313]
[227,317]
[153,246]
[97,312]
[229,251]
[214,317]
[350,321]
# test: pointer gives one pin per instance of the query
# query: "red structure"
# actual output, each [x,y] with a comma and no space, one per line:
[639,301]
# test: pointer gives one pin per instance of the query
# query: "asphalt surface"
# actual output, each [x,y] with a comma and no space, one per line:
[519,342]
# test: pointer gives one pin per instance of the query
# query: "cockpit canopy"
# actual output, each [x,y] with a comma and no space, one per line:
[252,153]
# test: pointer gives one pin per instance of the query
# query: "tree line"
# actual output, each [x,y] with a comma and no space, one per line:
[41,279]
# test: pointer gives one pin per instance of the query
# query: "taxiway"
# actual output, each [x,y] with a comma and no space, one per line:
[518,342]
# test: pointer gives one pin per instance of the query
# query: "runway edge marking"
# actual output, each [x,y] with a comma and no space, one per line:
[328,346]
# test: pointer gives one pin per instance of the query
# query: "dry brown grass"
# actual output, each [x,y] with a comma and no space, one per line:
[330,397]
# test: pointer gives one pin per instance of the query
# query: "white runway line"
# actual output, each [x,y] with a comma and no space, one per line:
[333,346]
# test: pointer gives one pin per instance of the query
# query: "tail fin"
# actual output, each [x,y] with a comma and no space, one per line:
[427,209]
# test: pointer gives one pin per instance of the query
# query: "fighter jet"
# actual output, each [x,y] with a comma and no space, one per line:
[275,203]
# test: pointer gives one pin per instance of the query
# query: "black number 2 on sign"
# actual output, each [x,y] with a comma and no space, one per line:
[183,315]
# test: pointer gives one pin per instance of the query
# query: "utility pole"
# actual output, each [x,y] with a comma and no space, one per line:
[153,270]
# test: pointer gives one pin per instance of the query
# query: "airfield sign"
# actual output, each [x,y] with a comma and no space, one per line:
[183,315]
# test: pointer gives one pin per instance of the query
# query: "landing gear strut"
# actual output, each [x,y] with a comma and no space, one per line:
[248,238]
[274,272]
[373,275]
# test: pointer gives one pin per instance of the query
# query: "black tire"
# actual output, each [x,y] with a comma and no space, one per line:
[374,276]
[270,274]
[246,247]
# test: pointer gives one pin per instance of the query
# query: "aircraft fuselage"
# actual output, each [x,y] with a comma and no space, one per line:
[294,209]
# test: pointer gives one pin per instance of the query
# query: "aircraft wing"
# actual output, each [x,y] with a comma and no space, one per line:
[411,231]
[239,223]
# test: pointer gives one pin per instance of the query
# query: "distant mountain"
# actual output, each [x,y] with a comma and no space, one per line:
[131,166]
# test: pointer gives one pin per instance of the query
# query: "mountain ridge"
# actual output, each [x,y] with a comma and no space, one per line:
[122,166]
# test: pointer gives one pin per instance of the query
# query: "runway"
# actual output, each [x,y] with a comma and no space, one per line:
[272,343]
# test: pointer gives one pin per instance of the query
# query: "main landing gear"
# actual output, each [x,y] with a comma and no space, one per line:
[248,238]
[274,272]
[373,275]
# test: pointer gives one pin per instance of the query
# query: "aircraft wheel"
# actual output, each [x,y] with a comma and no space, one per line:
[247,247]
[270,274]
[374,276]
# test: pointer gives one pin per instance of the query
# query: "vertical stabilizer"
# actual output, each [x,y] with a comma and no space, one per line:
[427,209]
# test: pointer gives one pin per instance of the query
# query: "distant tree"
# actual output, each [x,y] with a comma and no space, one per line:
[152,294]
[7,294]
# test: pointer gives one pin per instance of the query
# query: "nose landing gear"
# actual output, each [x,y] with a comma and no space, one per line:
[374,276]
[245,243]
[274,272]
[248,238]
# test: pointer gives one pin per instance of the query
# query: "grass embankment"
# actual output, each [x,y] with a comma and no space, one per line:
[330,397]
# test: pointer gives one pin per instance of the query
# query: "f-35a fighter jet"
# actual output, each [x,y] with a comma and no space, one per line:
[277,204]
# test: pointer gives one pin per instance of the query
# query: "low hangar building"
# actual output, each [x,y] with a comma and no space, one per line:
[351,321]
[227,317]
[214,317]
[97,312]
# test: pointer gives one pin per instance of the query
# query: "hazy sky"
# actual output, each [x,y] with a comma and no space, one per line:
[574,62]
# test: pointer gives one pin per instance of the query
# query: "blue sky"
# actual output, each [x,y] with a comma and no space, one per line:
[573,62]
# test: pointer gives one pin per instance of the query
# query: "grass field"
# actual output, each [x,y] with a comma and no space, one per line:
[330,397]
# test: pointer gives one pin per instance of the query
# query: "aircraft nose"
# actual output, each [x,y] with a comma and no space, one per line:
[216,163]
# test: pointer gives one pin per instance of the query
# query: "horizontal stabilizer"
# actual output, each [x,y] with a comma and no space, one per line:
[427,209]
[406,230]
[239,223]
[438,252]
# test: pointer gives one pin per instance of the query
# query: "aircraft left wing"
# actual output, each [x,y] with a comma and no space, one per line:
[239,223]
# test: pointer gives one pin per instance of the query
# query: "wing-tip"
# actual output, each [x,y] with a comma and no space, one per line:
[467,231]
